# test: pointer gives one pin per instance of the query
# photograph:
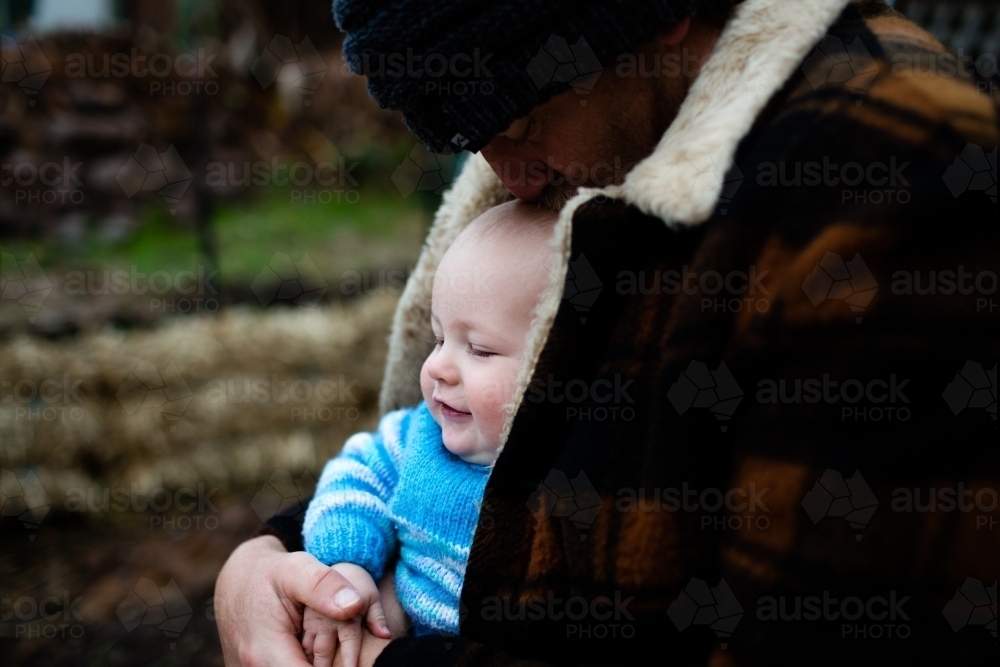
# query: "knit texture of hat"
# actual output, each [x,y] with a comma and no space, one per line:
[462,71]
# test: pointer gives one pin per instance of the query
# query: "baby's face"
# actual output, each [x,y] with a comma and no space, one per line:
[484,293]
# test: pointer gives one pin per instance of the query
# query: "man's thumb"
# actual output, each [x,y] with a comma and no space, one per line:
[312,584]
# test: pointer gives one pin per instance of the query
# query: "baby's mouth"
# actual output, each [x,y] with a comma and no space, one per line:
[451,413]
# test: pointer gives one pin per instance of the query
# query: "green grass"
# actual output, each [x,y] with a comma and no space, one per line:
[333,234]
[378,228]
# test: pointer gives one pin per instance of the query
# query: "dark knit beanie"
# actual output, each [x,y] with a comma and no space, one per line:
[462,71]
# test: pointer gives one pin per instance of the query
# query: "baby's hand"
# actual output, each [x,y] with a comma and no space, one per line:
[321,634]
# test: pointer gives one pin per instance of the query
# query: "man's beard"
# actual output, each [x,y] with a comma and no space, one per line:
[554,197]
[625,143]
[631,132]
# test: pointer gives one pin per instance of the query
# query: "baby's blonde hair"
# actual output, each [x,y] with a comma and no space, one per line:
[512,218]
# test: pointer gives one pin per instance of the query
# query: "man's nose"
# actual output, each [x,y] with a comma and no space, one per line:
[522,173]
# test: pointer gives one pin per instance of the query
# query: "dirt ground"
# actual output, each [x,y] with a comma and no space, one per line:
[64,592]
[135,461]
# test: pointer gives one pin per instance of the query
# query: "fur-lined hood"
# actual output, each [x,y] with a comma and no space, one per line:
[680,182]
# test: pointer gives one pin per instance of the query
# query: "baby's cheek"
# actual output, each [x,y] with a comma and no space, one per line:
[487,398]
[426,384]
[494,393]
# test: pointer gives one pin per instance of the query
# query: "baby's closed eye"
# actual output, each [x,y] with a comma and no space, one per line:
[480,352]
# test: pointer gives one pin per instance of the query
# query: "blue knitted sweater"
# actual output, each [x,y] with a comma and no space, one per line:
[401,487]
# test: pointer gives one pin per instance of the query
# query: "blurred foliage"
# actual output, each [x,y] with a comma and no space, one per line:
[249,233]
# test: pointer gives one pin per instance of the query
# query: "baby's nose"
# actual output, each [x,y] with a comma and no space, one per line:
[442,369]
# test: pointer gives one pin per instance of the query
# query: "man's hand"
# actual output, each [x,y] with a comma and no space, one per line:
[259,597]
[323,637]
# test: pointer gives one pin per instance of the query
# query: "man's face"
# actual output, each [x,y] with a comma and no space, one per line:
[587,139]
[561,145]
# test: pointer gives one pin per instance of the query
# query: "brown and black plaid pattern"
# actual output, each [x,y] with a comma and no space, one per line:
[719,511]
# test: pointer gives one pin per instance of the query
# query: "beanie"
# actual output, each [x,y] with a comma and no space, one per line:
[461,71]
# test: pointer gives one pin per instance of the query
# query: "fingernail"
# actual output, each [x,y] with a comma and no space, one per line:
[347,597]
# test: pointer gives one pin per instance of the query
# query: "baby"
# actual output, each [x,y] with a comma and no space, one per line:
[417,482]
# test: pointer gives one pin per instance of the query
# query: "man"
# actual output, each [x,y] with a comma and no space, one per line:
[758,423]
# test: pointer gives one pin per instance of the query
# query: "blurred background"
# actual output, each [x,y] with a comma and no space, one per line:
[205,224]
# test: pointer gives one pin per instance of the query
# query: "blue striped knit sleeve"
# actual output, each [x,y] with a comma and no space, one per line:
[348,518]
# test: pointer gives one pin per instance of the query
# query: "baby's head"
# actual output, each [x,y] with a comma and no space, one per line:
[484,295]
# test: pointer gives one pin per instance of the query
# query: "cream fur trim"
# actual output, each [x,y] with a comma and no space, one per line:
[757,52]
[680,182]
[475,190]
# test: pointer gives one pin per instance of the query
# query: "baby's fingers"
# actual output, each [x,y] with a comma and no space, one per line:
[375,618]
[324,648]
[349,634]
[308,639]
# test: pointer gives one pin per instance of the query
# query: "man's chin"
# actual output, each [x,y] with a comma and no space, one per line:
[555,198]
